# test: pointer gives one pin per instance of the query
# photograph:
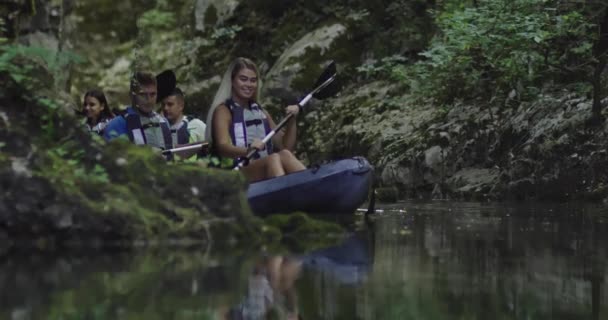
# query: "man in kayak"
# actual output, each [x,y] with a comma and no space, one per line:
[236,125]
[140,123]
[184,129]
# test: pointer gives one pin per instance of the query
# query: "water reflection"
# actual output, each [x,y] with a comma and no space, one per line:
[477,261]
[270,291]
[154,285]
[435,261]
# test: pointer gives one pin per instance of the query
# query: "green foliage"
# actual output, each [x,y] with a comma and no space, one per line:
[360,15]
[226,33]
[23,63]
[502,46]
[155,19]
[163,276]
[387,67]
[108,20]
[363,117]
[33,70]
[386,28]
[63,166]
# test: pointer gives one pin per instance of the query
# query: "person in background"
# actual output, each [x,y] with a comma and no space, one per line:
[236,125]
[95,108]
[184,129]
[140,123]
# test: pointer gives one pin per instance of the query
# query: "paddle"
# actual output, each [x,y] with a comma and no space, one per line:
[165,84]
[322,90]
[186,150]
[186,147]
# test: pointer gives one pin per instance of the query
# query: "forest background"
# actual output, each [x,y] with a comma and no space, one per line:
[483,100]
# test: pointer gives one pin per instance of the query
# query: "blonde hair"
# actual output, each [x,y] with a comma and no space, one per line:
[224,91]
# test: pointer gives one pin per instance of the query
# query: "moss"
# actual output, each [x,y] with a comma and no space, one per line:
[123,192]
[302,233]
[250,234]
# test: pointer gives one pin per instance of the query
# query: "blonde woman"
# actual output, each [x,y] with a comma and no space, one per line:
[236,124]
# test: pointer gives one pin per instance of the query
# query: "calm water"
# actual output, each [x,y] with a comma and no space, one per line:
[436,260]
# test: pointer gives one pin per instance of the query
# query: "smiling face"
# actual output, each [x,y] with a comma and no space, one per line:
[93,108]
[244,85]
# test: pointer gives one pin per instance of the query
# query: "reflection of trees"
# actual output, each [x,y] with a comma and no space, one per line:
[475,265]
[162,285]
[457,265]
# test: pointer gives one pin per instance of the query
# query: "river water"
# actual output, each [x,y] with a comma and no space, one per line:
[437,260]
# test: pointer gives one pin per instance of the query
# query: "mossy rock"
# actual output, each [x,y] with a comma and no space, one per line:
[74,188]
[298,68]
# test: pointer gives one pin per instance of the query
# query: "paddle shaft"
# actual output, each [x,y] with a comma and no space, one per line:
[269,136]
[281,124]
[185,148]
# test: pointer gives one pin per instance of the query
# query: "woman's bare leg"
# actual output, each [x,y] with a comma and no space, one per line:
[289,162]
[290,271]
[265,168]
[274,167]
[274,271]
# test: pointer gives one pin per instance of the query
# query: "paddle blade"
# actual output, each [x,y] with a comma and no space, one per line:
[165,84]
[328,91]
[330,88]
[329,72]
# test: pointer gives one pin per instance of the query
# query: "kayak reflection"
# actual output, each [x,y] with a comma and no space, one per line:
[271,291]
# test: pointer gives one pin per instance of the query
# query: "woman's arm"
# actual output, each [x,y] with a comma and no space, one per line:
[286,137]
[222,120]
[277,139]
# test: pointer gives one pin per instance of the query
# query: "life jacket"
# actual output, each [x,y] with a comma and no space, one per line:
[143,130]
[180,133]
[246,125]
[99,127]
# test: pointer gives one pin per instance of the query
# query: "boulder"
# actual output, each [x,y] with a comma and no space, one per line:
[394,174]
[278,81]
[473,182]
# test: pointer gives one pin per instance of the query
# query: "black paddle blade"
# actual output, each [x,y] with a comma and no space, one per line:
[329,72]
[165,84]
[332,87]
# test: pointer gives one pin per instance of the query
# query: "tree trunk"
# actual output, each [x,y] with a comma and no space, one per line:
[64,33]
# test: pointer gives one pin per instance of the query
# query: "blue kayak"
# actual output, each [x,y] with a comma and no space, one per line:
[336,187]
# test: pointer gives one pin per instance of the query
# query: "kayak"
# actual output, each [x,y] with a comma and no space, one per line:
[335,187]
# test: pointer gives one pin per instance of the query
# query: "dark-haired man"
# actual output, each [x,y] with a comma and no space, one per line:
[140,123]
[183,129]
